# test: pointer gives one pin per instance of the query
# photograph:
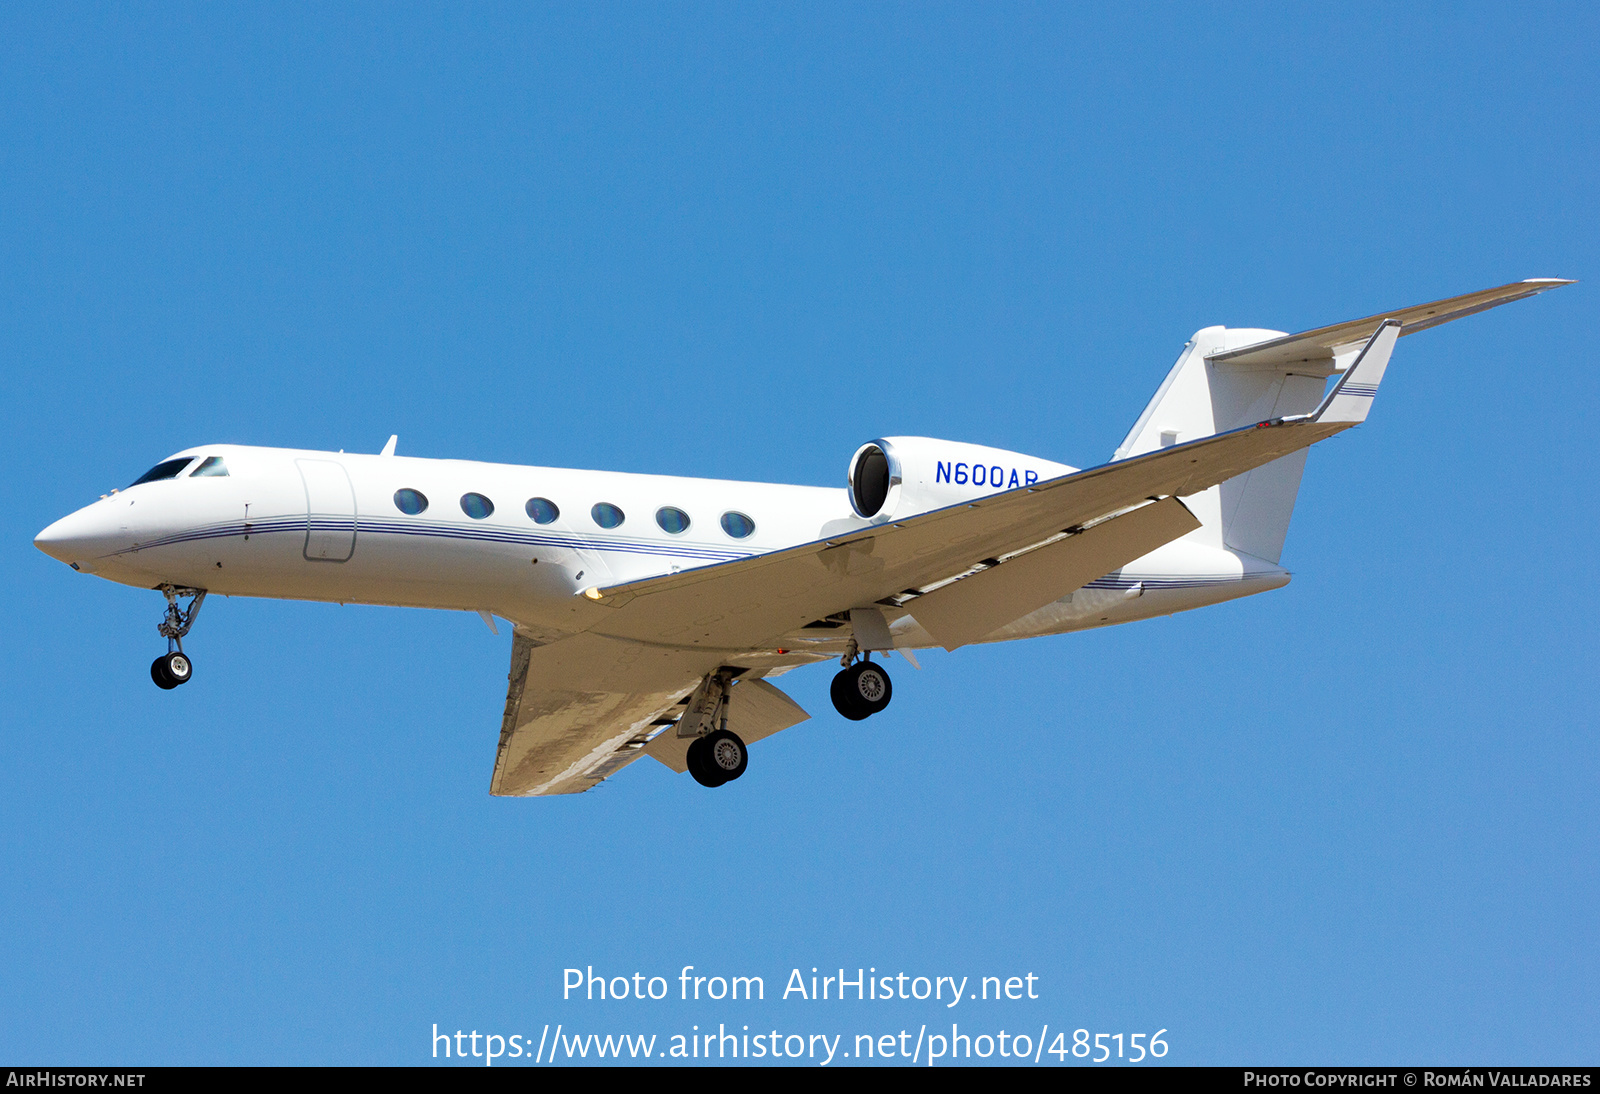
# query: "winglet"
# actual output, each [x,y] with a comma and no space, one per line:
[1351,398]
[388,449]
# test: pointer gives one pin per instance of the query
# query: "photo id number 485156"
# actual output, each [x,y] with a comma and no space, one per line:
[1100,1048]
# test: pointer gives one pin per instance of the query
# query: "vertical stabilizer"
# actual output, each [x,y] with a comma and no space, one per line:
[1200,397]
[1226,379]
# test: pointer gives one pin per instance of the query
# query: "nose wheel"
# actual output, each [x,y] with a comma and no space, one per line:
[171,669]
[861,690]
[174,667]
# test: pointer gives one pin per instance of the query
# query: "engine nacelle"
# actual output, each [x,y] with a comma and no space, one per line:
[899,476]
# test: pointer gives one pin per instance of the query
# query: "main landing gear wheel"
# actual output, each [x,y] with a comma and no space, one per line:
[717,758]
[171,669]
[861,690]
[697,764]
[725,754]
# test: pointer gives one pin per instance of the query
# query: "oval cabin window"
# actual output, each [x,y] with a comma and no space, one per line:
[737,525]
[410,502]
[672,520]
[542,510]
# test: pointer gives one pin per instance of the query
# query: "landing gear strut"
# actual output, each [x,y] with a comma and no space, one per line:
[716,756]
[174,667]
[862,689]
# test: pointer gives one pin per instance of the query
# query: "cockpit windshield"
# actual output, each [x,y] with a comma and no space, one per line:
[167,469]
[210,467]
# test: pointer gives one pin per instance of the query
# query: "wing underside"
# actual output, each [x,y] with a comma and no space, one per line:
[583,708]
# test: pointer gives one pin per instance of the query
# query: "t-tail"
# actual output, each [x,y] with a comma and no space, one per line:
[1230,378]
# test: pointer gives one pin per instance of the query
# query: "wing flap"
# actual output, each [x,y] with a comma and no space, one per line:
[967,610]
[756,710]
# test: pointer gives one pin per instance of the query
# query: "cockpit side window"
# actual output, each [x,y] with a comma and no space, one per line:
[211,467]
[168,469]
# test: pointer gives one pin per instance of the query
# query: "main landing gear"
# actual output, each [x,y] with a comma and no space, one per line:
[862,689]
[174,667]
[715,756]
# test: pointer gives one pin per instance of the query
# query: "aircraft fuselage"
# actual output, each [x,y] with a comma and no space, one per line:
[524,543]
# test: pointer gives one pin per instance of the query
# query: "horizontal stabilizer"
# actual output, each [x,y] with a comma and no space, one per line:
[1325,343]
[980,604]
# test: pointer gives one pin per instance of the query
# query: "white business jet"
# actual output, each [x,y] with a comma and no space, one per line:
[650,611]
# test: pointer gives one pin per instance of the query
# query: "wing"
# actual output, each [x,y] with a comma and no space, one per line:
[751,603]
[583,708]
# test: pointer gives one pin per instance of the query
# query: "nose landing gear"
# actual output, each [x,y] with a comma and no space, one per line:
[860,690]
[174,667]
[171,669]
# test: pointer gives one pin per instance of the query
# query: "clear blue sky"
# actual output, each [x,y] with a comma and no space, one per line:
[1355,820]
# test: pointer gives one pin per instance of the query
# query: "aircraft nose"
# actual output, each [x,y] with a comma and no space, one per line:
[75,538]
[56,541]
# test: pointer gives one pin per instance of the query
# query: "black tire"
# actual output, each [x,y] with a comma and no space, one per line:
[158,673]
[843,694]
[869,687]
[699,767]
[724,755]
[179,669]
